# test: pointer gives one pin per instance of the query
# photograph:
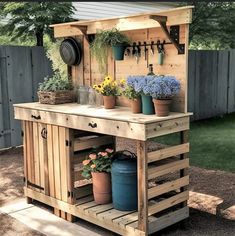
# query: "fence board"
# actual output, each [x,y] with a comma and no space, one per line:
[208,83]
[19,77]
[5,115]
[231,79]
[41,68]
[19,81]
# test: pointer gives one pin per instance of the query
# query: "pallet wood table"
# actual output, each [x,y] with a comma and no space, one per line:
[55,138]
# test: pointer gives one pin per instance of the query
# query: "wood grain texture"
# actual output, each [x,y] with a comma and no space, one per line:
[142,186]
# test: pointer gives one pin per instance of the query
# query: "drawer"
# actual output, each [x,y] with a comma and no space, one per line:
[92,124]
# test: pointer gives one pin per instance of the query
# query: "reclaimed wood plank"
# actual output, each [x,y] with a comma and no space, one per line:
[168,186]
[169,202]
[154,172]
[142,186]
[168,152]
[168,219]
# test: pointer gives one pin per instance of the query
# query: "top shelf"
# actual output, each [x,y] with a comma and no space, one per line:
[119,113]
[176,16]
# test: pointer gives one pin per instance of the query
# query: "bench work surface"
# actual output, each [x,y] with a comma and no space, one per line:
[119,113]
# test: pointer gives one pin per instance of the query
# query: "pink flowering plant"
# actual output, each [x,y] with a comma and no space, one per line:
[97,162]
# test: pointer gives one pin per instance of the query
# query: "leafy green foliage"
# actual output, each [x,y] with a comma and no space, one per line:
[97,161]
[130,92]
[55,83]
[103,41]
[28,20]
[58,64]
[213,25]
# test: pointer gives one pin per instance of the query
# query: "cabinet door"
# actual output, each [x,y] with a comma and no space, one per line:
[35,156]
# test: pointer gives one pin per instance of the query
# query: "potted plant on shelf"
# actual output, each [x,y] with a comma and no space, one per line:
[109,88]
[141,85]
[134,97]
[55,90]
[106,39]
[162,89]
[98,166]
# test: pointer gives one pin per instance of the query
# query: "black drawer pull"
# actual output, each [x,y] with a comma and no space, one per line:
[44,133]
[36,117]
[93,125]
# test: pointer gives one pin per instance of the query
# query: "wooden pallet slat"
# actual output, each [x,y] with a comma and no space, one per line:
[156,171]
[168,219]
[99,209]
[167,187]
[90,142]
[43,160]
[167,203]
[168,152]
[36,154]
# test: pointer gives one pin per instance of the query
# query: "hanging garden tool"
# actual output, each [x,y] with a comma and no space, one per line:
[146,53]
[161,52]
[152,47]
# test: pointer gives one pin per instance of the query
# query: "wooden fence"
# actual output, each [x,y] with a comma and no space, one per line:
[211,89]
[21,69]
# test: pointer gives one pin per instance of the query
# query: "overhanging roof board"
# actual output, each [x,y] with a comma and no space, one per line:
[175,16]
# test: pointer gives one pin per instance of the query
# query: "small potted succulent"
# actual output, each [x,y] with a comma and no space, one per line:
[110,89]
[55,90]
[98,166]
[106,39]
[134,97]
[141,85]
[162,89]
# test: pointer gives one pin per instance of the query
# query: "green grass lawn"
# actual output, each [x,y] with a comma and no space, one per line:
[212,143]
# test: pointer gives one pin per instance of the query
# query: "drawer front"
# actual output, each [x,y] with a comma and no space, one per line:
[104,126]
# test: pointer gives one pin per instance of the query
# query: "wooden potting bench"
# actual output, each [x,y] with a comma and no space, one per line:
[58,137]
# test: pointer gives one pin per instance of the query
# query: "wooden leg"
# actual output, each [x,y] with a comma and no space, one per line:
[29,200]
[184,139]
[142,187]
[70,169]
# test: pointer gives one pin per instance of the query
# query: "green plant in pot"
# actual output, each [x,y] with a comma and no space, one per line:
[163,89]
[141,86]
[98,166]
[103,41]
[134,97]
[55,90]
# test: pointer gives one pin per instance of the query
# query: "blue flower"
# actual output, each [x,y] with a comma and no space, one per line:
[161,87]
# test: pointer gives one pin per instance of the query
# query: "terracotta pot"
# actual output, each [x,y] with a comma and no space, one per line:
[109,102]
[136,105]
[162,106]
[102,187]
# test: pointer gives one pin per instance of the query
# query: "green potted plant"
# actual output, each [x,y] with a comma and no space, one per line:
[98,166]
[134,97]
[106,39]
[55,90]
[110,90]
[162,90]
[141,86]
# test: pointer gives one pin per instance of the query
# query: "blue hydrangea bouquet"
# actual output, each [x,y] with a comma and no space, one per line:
[157,90]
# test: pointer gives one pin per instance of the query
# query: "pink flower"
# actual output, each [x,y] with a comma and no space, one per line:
[109,150]
[103,154]
[93,156]
[86,162]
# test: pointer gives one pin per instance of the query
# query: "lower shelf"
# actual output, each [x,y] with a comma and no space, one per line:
[121,222]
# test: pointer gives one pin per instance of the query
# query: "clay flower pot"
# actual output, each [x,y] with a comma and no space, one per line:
[102,187]
[109,102]
[162,107]
[136,105]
